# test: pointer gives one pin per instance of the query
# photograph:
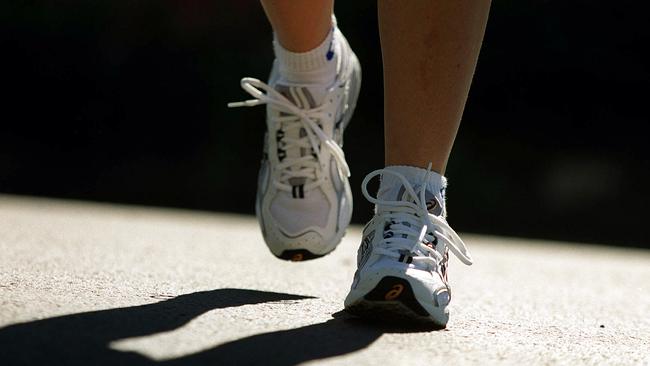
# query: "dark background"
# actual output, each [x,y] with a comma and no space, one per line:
[126,102]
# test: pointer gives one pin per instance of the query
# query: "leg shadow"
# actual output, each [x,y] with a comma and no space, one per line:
[83,338]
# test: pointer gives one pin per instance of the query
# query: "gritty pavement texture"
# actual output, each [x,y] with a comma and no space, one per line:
[94,284]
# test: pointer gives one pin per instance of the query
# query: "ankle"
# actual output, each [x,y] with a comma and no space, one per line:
[316,66]
[391,187]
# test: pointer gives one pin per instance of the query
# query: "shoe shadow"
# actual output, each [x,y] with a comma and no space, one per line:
[338,336]
[84,338]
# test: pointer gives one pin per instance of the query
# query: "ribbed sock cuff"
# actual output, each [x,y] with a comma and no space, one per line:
[315,66]
[415,176]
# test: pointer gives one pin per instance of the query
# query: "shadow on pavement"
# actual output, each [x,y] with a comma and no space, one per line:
[83,338]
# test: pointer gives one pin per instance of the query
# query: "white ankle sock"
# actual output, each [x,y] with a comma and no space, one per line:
[390,187]
[317,66]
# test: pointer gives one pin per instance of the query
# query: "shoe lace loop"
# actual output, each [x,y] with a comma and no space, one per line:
[411,228]
[295,118]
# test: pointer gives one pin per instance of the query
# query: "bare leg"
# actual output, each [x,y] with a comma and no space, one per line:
[430,48]
[299,25]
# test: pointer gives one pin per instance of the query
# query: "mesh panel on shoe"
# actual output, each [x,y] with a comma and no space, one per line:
[295,215]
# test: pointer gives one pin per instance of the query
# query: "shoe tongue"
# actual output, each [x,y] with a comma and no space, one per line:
[392,189]
[304,96]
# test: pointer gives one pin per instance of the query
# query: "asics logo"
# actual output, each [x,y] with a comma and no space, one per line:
[431,204]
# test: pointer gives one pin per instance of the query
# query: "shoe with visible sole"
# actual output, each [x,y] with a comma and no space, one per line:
[304,201]
[402,261]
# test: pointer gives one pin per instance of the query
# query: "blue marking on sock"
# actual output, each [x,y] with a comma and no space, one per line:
[330,52]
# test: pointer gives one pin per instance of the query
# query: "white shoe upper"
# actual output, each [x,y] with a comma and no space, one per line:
[408,238]
[304,200]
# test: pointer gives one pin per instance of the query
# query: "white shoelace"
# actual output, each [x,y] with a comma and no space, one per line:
[296,118]
[412,226]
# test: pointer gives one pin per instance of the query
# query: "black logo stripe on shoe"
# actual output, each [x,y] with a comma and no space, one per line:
[298,191]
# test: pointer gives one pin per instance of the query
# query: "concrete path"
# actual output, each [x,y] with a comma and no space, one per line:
[93,284]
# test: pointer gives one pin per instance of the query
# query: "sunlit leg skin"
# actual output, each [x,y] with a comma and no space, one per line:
[299,25]
[430,49]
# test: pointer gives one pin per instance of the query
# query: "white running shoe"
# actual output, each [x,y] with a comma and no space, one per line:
[304,201]
[402,260]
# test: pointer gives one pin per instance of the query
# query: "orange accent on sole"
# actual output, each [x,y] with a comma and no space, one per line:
[394,292]
[297,257]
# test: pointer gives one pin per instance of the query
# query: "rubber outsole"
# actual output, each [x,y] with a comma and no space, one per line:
[392,301]
[299,255]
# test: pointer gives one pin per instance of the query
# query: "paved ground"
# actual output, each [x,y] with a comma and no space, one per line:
[91,284]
